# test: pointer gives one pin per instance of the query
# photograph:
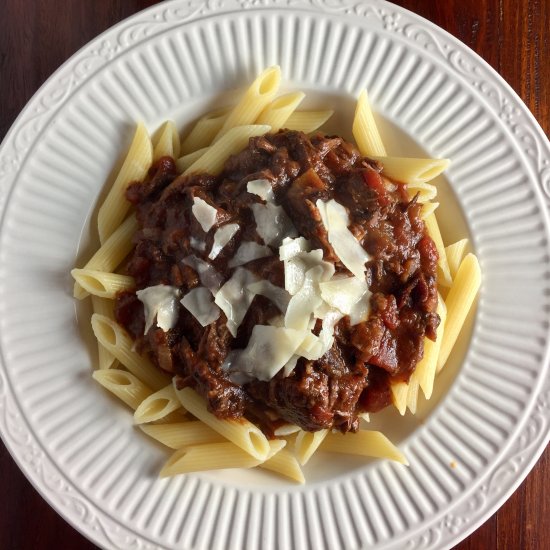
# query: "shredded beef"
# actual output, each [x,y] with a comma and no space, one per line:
[354,375]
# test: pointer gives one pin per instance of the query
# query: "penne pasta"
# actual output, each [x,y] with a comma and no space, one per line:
[204,131]
[412,393]
[365,130]
[307,443]
[106,360]
[182,434]
[109,256]
[411,170]
[455,254]
[124,385]
[135,168]
[277,112]
[426,369]
[399,391]
[114,338]
[241,432]
[233,142]
[286,429]
[183,163]
[307,121]
[443,267]
[167,143]
[285,464]
[459,301]
[364,443]
[210,456]
[428,208]
[102,283]
[157,405]
[258,95]
[424,191]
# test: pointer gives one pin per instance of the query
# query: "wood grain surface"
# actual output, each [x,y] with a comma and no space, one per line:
[36,36]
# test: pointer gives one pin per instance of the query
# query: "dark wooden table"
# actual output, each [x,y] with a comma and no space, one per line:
[36,36]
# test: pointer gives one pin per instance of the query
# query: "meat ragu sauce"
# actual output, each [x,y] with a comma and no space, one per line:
[354,375]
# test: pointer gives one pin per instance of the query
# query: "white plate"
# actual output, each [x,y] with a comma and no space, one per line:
[490,416]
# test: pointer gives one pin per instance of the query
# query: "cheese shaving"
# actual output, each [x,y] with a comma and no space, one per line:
[159,301]
[349,295]
[208,276]
[268,351]
[306,300]
[199,303]
[279,296]
[221,237]
[262,188]
[272,223]
[234,298]
[346,246]
[204,213]
[297,266]
[197,244]
[249,251]
[292,247]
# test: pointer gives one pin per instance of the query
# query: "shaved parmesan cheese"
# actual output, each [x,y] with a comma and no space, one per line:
[262,188]
[279,296]
[221,237]
[291,247]
[306,300]
[249,251]
[208,276]
[199,303]
[345,245]
[272,223]
[268,351]
[297,265]
[197,244]
[344,293]
[205,213]
[314,347]
[290,365]
[234,298]
[160,301]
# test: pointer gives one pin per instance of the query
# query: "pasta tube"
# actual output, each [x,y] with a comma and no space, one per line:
[241,432]
[157,405]
[204,131]
[459,301]
[102,283]
[433,230]
[233,142]
[168,142]
[307,443]
[412,170]
[182,434]
[259,94]
[364,443]
[364,129]
[124,385]
[135,167]
[277,112]
[106,360]
[455,254]
[109,256]
[114,338]
[307,121]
